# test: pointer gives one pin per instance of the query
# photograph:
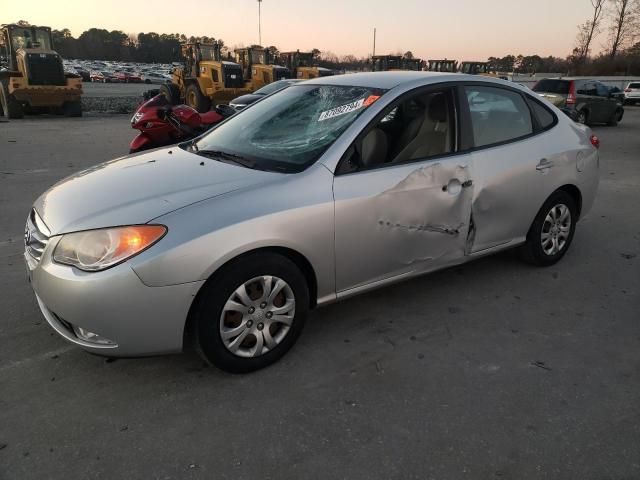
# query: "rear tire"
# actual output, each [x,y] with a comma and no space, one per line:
[552,230]
[10,107]
[195,99]
[254,338]
[171,93]
[72,109]
[583,117]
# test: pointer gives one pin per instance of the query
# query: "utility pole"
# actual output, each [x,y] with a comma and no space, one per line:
[259,24]
[374,41]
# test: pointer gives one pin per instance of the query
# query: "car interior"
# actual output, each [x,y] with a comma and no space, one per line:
[420,127]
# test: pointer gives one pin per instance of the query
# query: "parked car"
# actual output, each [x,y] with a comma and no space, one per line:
[585,101]
[154,77]
[321,191]
[85,74]
[243,101]
[128,77]
[104,77]
[632,93]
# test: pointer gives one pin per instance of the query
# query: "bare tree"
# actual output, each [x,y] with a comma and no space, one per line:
[625,18]
[588,30]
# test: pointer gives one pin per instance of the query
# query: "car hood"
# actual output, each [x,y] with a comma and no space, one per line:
[136,189]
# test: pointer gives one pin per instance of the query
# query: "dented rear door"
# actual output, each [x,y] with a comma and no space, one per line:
[401,219]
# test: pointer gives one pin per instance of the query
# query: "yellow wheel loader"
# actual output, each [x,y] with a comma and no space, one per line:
[32,76]
[302,65]
[204,80]
[258,67]
[450,66]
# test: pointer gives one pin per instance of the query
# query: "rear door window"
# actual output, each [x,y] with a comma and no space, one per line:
[552,86]
[588,88]
[497,115]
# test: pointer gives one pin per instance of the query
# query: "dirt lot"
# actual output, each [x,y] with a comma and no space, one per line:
[492,370]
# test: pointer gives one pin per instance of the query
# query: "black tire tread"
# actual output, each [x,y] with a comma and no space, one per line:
[531,252]
[217,290]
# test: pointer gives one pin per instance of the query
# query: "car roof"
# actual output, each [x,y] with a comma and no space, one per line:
[389,80]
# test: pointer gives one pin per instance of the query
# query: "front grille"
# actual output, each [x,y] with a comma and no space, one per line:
[280,73]
[232,76]
[45,69]
[36,236]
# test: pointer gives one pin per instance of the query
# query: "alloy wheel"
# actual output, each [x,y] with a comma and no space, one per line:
[556,229]
[257,316]
[582,117]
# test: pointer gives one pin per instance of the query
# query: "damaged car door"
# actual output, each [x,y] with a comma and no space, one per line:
[513,165]
[402,194]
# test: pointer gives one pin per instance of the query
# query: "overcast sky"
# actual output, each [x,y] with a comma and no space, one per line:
[458,29]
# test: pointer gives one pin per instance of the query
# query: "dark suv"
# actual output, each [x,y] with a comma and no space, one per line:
[583,100]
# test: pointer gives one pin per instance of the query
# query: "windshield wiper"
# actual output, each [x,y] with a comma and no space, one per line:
[226,156]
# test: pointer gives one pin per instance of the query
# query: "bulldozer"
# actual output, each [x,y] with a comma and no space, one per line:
[205,79]
[483,69]
[450,66]
[32,76]
[302,65]
[383,63]
[475,68]
[258,67]
[413,64]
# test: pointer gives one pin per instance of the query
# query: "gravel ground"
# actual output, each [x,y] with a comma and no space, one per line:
[491,370]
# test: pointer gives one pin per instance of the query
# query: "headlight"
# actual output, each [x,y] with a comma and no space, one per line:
[95,250]
[136,118]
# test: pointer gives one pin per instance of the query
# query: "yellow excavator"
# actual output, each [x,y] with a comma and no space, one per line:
[302,65]
[32,76]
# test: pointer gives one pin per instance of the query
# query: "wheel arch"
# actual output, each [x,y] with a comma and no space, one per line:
[296,257]
[575,194]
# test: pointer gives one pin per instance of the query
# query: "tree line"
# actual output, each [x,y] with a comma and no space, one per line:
[616,24]
[101,44]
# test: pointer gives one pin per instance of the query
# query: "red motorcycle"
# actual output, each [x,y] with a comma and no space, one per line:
[162,124]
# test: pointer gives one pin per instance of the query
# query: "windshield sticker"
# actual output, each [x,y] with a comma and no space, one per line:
[341,110]
[370,99]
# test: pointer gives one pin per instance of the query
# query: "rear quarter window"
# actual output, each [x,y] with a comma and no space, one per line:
[634,85]
[545,117]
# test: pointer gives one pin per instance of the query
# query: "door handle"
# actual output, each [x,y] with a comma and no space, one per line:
[544,164]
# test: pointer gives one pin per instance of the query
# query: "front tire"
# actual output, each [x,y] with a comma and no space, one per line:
[251,312]
[195,99]
[170,92]
[615,118]
[552,230]
[9,106]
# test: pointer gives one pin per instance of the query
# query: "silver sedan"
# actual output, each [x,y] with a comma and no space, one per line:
[324,190]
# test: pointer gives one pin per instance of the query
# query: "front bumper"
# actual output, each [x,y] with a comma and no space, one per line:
[138,320]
